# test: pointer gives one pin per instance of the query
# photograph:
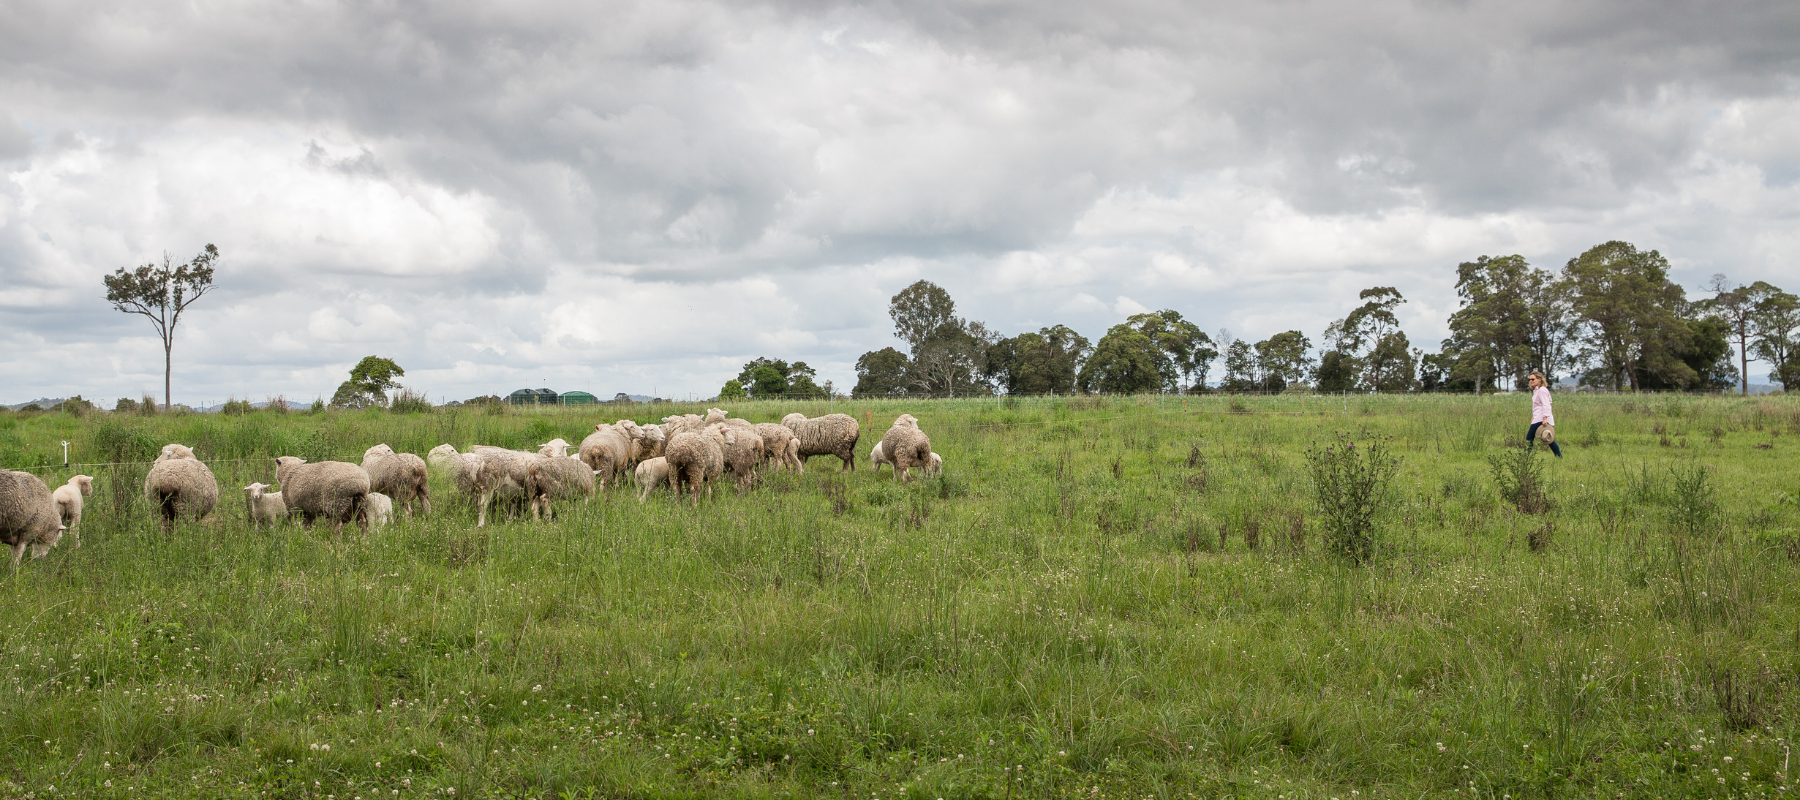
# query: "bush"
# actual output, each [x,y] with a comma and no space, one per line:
[1693,502]
[407,401]
[236,408]
[1351,481]
[1520,476]
[75,406]
[125,405]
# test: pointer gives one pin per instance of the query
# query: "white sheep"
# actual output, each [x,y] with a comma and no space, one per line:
[832,434]
[69,502]
[905,446]
[651,473]
[379,507]
[264,506]
[28,515]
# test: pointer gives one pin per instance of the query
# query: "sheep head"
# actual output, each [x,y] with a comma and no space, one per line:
[84,483]
[174,451]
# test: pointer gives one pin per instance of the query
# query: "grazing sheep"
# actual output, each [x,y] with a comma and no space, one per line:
[742,450]
[179,485]
[335,490]
[832,434]
[694,458]
[379,508]
[681,422]
[400,476]
[608,451]
[503,474]
[264,506]
[464,468]
[651,473]
[936,465]
[174,451]
[556,475]
[650,445]
[779,445]
[68,503]
[906,447]
[28,515]
[877,458]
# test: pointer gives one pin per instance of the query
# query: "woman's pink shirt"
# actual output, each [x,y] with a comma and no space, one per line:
[1540,406]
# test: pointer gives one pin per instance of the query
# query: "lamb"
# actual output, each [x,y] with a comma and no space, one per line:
[503,474]
[650,474]
[681,422]
[608,451]
[28,515]
[180,485]
[877,458]
[906,447]
[694,458]
[555,475]
[379,508]
[779,445]
[68,503]
[832,434]
[935,466]
[400,476]
[335,490]
[742,451]
[264,506]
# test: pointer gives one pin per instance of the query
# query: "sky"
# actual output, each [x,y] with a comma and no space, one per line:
[640,197]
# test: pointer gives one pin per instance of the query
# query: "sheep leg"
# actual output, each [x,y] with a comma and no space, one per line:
[18,553]
[425,500]
[482,504]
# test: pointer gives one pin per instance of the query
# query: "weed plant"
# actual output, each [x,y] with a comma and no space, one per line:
[1056,616]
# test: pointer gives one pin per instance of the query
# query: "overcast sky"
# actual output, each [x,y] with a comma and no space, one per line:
[640,197]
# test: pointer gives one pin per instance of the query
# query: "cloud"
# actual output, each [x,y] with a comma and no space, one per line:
[624,195]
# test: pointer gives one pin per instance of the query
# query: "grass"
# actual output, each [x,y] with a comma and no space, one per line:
[1099,598]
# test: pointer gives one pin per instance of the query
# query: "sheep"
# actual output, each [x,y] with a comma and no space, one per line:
[28,515]
[779,445]
[503,474]
[681,422]
[694,458]
[335,490]
[175,451]
[68,503]
[180,485]
[400,476]
[650,445]
[877,458]
[608,451]
[379,508]
[556,475]
[832,434]
[742,451]
[935,466]
[650,474]
[464,468]
[905,446]
[264,506]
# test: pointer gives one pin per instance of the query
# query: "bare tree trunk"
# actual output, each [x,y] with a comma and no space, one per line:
[168,359]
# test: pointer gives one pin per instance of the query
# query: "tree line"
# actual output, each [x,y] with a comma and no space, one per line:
[1610,318]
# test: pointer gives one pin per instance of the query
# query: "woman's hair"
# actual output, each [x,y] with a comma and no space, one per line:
[1540,377]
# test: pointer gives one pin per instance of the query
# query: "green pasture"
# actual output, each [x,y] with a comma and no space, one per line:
[1101,597]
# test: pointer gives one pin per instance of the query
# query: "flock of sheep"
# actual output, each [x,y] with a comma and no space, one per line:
[685,450]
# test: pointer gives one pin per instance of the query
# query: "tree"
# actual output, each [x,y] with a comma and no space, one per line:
[161,294]
[1046,362]
[1632,314]
[1282,360]
[1125,362]
[1182,348]
[1735,306]
[1707,355]
[921,311]
[1775,322]
[1391,364]
[1372,324]
[369,381]
[881,373]
[732,390]
[765,378]
[1240,367]
[1337,372]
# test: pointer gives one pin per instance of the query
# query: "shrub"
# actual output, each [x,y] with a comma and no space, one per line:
[1351,482]
[125,405]
[1693,502]
[236,408]
[407,401]
[1520,476]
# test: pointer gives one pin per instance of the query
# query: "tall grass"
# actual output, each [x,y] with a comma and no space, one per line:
[1100,597]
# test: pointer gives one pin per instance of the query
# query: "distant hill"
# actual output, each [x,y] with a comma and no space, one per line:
[42,402]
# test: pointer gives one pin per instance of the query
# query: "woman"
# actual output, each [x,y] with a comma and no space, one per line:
[1540,414]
